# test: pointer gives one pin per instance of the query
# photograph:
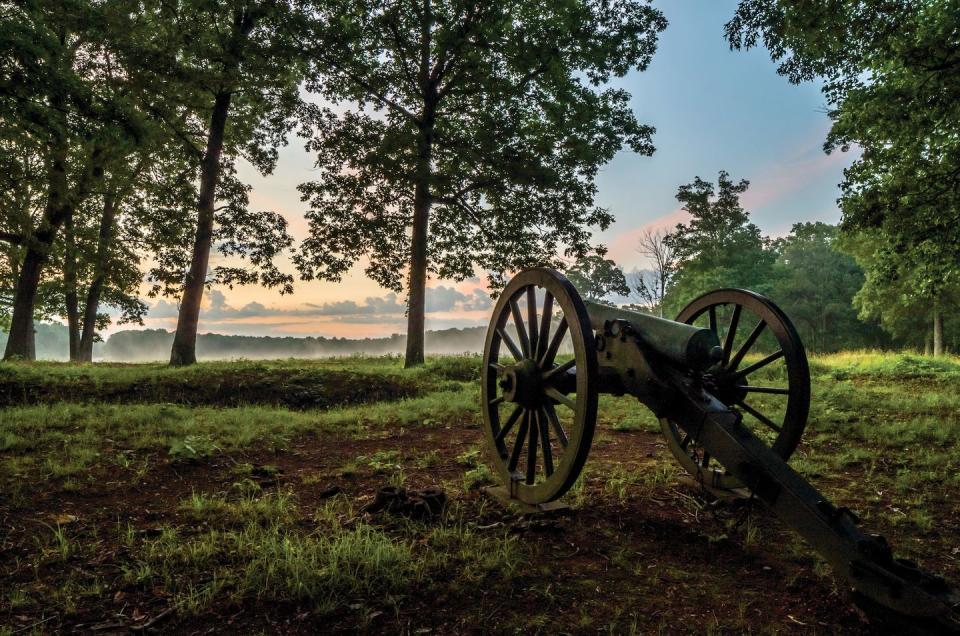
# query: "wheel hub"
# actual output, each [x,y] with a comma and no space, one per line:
[522,383]
[725,387]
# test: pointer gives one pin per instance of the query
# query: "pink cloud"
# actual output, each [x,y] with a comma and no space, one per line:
[788,177]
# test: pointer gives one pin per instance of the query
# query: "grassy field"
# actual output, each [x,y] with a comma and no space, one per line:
[230,497]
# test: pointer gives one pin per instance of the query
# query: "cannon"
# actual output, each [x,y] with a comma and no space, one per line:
[729,383]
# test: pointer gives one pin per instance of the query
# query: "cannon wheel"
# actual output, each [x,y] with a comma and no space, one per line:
[539,415]
[780,425]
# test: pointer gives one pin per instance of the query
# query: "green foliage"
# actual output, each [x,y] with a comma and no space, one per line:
[596,278]
[719,247]
[815,284]
[248,55]
[891,73]
[505,97]
[895,292]
[467,136]
[192,448]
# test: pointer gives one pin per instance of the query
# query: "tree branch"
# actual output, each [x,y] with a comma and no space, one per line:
[401,52]
[371,91]
[10,237]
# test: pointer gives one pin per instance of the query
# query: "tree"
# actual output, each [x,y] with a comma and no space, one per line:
[891,74]
[468,135]
[815,284]
[142,211]
[236,68]
[596,278]
[895,292]
[54,113]
[719,247]
[651,285]
[102,247]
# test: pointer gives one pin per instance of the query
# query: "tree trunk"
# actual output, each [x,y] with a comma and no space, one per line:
[92,305]
[70,289]
[20,341]
[184,349]
[937,329]
[417,294]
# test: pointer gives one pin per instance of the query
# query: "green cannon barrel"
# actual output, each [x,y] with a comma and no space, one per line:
[686,345]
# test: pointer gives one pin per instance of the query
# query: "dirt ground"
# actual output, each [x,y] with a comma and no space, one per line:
[658,561]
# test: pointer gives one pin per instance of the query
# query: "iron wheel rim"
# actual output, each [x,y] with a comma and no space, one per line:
[535,415]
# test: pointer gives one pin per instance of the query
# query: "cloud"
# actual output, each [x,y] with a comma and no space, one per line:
[805,165]
[373,309]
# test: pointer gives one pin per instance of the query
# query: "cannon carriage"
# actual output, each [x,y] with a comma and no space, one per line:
[729,383]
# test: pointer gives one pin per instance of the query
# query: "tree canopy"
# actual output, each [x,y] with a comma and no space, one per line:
[719,246]
[891,73]
[466,136]
[597,278]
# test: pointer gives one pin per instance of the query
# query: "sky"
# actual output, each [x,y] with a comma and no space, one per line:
[714,109]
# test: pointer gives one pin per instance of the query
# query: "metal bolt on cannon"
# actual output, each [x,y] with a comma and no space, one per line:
[729,383]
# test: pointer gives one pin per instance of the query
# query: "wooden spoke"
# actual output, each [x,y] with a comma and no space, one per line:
[518,444]
[760,416]
[765,389]
[517,411]
[555,423]
[758,343]
[532,318]
[521,330]
[532,444]
[538,316]
[547,358]
[561,398]
[731,334]
[511,345]
[546,315]
[545,442]
[776,355]
[563,368]
[746,345]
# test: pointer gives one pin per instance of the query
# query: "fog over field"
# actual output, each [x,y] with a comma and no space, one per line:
[149,345]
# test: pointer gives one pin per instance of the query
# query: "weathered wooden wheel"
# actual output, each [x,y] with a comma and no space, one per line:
[772,393]
[539,413]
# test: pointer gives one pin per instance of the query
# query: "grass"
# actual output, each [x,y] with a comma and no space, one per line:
[252,546]
[296,384]
[206,500]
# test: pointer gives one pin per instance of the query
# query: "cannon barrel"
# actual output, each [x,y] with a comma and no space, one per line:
[682,344]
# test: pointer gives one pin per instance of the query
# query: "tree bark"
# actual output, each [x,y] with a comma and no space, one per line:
[71,298]
[937,328]
[92,304]
[417,292]
[184,351]
[20,341]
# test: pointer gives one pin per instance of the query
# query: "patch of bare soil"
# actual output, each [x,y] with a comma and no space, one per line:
[661,560]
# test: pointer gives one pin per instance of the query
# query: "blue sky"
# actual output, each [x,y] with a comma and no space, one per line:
[720,109]
[713,109]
